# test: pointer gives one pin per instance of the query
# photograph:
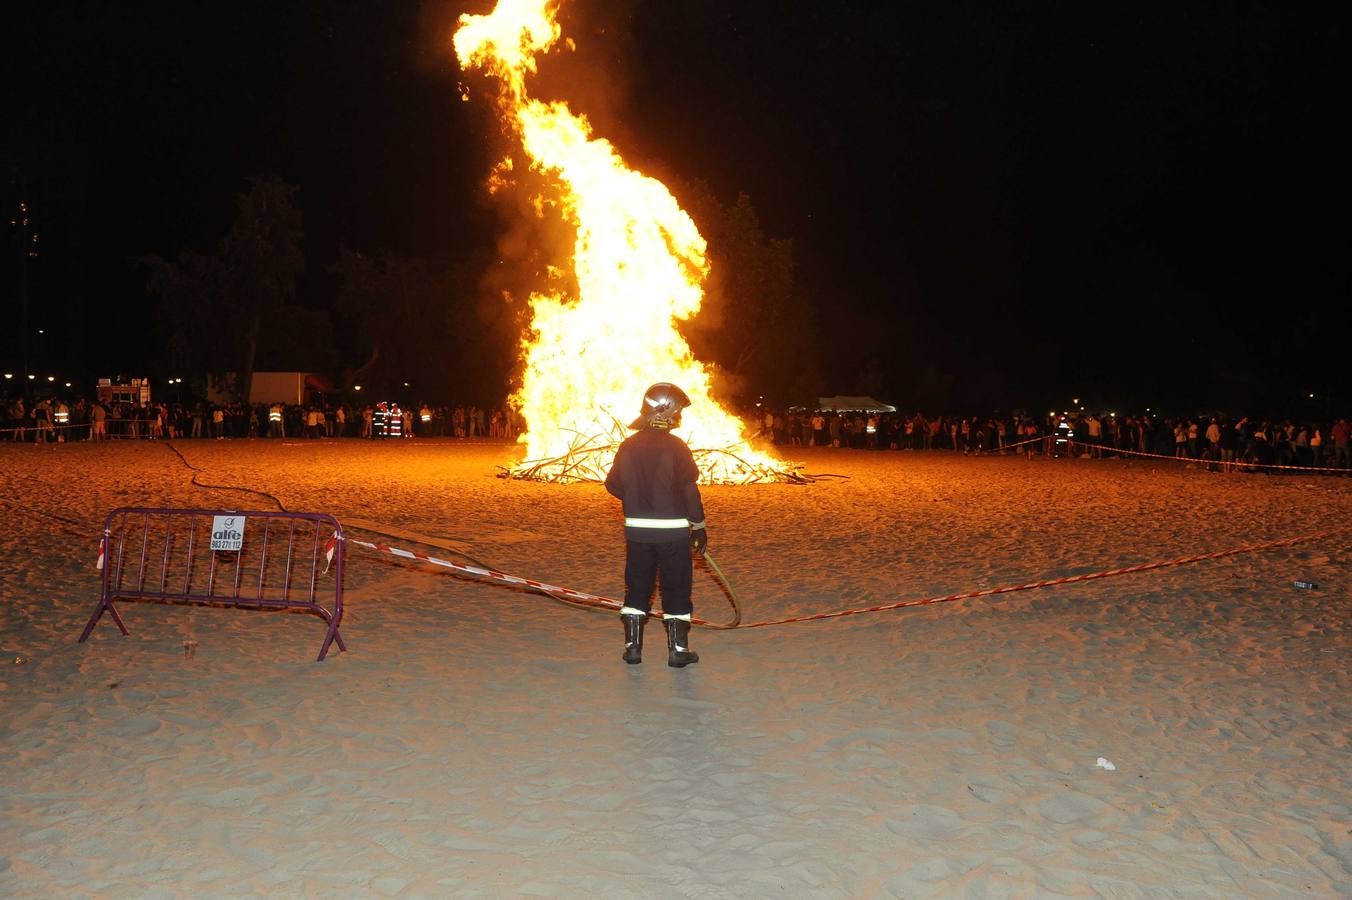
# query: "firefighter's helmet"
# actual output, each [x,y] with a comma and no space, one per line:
[662,405]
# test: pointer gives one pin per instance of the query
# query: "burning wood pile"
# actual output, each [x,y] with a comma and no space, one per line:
[589,457]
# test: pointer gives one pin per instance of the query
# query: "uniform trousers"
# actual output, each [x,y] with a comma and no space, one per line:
[667,563]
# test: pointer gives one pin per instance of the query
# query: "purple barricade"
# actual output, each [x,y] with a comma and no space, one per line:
[251,558]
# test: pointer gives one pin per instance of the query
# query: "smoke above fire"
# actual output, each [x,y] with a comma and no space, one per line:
[600,333]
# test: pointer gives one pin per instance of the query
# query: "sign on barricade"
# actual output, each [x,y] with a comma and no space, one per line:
[260,559]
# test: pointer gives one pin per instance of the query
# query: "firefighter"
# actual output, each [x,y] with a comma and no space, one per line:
[655,477]
[379,417]
[394,421]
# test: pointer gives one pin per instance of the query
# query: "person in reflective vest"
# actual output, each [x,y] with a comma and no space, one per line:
[62,420]
[655,477]
[425,416]
[276,427]
[394,421]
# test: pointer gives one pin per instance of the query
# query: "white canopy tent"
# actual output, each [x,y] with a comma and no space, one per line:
[852,404]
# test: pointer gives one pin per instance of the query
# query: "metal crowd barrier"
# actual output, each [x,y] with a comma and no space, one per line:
[245,558]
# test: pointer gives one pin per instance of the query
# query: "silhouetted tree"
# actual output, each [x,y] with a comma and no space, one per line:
[754,323]
[193,305]
[297,338]
[218,304]
[408,321]
[261,260]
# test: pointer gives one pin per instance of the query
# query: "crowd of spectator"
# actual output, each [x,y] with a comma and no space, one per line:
[1214,439]
[1219,439]
[52,419]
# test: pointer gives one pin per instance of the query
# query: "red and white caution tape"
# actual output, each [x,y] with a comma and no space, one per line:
[997,450]
[1106,449]
[1053,582]
[593,600]
[569,594]
[1110,450]
[58,426]
[143,428]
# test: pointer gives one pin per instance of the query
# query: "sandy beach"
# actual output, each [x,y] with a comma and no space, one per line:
[482,741]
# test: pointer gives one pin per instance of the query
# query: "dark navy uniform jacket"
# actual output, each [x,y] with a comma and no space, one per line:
[655,477]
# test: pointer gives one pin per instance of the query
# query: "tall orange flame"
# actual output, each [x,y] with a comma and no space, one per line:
[638,258]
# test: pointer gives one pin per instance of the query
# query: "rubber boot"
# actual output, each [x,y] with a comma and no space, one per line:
[633,638]
[679,654]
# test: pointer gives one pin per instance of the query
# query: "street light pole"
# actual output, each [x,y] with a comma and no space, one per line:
[28,249]
[24,249]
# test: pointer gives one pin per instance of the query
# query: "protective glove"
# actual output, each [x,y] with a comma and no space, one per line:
[699,539]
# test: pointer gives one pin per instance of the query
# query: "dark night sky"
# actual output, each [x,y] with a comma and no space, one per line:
[1113,199]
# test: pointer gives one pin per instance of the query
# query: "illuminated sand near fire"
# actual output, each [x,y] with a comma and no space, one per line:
[477,741]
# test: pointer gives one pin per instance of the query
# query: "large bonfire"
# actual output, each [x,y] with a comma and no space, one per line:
[640,266]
